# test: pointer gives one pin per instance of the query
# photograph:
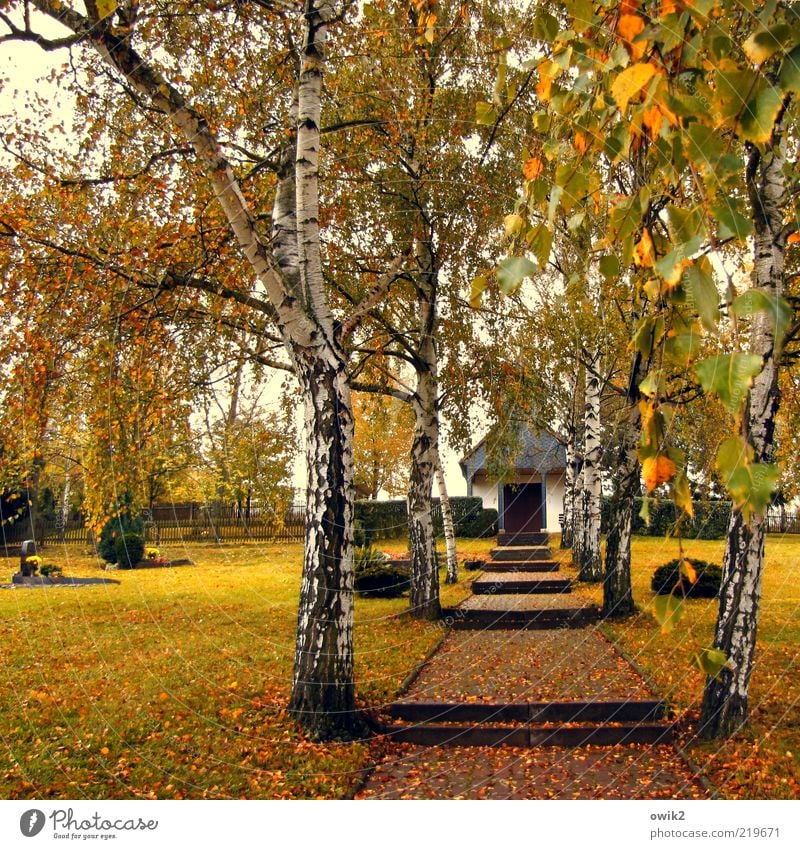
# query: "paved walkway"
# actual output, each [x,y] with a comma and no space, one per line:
[542,698]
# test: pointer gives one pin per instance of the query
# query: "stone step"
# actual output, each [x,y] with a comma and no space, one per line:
[530,538]
[492,583]
[465,619]
[521,552]
[472,712]
[522,566]
[529,736]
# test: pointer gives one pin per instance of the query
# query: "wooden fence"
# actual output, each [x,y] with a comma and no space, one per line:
[217,524]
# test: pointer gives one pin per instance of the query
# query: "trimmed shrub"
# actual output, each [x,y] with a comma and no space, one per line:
[376,578]
[116,527]
[129,550]
[709,579]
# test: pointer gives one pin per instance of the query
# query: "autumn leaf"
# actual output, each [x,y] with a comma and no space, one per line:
[532,168]
[630,82]
[688,571]
[657,470]
[629,27]
[644,253]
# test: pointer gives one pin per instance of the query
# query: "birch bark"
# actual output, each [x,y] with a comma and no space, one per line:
[591,567]
[725,699]
[451,576]
[617,589]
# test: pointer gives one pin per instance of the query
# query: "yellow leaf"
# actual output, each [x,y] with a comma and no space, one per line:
[630,82]
[657,470]
[580,142]
[513,224]
[643,253]
[689,571]
[106,8]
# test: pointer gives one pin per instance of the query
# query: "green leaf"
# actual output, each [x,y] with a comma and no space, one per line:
[704,146]
[512,271]
[733,454]
[766,43]
[644,513]
[758,120]
[652,385]
[703,292]
[485,113]
[710,662]
[683,347]
[789,75]
[668,611]
[757,300]
[732,84]
[686,225]
[751,487]
[732,224]
[540,240]
[728,376]
[545,27]
[609,267]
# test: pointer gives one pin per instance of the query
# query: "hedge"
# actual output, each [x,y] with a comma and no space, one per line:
[711,519]
[389,519]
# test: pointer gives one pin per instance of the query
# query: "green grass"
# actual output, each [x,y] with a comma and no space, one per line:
[763,760]
[173,683]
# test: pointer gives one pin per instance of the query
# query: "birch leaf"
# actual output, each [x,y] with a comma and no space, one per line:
[512,271]
[105,8]
[668,611]
[688,571]
[711,662]
[757,300]
[703,292]
[758,120]
[630,82]
[728,376]
[657,470]
[485,113]
[790,72]
[477,289]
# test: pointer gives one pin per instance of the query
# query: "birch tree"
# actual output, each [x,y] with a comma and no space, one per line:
[150,60]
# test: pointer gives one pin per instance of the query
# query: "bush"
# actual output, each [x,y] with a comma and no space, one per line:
[117,526]
[482,523]
[376,578]
[709,579]
[389,519]
[50,570]
[711,519]
[129,550]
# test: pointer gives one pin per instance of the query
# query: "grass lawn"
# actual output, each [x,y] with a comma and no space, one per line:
[763,761]
[173,683]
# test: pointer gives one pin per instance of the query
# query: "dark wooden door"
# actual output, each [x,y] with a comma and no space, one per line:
[522,508]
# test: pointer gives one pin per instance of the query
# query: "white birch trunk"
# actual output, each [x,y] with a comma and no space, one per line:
[578,517]
[725,700]
[451,576]
[424,454]
[617,587]
[591,567]
[323,696]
